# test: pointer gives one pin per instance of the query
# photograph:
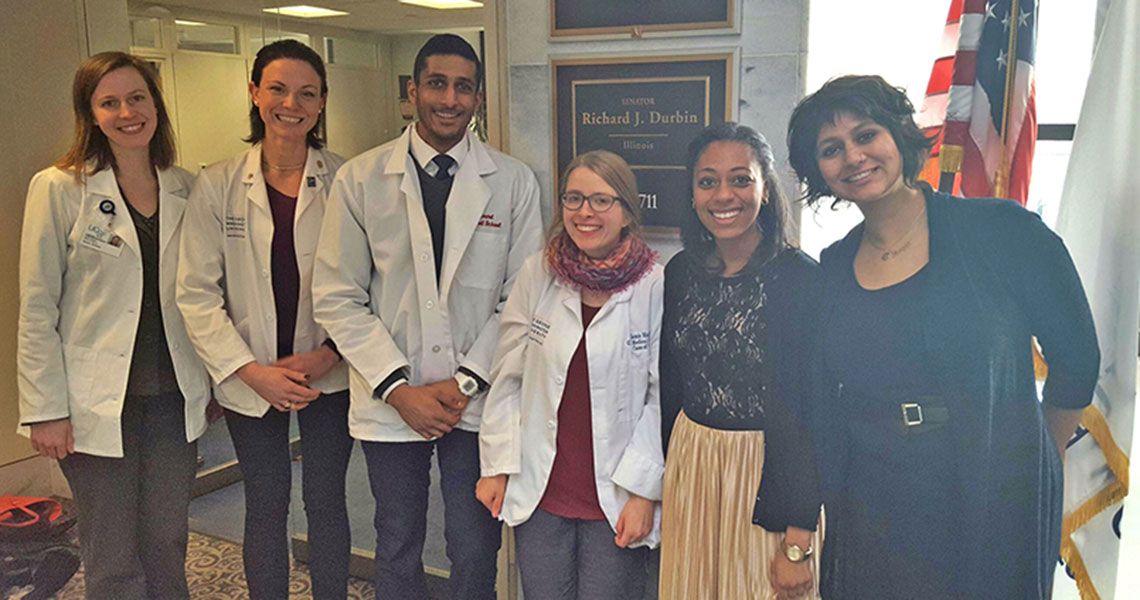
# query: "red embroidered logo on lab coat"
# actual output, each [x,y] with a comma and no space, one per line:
[488,220]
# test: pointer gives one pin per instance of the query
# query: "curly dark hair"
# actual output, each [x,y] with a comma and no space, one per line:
[773,220]
[865,96]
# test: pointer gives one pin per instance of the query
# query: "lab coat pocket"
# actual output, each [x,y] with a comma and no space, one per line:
[79,367]
[635,376]
[484,263]
[624,398]
[94,247]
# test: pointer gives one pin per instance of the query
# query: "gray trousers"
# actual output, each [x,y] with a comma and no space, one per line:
[133,510]
[571,559]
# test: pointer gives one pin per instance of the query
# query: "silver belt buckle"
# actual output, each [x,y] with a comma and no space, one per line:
[911,414]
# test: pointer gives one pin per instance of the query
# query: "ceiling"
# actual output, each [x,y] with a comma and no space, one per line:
[364,15]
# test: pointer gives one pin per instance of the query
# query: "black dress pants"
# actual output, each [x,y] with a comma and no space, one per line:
[400,474]
[262,446]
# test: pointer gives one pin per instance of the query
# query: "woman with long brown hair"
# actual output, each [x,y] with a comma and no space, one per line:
[109,383]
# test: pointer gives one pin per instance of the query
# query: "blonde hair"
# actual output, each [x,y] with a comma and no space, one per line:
[90,146]
[616,173]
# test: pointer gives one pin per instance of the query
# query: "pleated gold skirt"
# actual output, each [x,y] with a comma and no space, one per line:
[710,550]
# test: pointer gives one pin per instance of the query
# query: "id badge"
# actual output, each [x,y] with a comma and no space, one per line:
[101,240]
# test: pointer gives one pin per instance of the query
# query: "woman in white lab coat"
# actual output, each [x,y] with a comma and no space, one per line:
[244,290]
[570,444]
[109,384]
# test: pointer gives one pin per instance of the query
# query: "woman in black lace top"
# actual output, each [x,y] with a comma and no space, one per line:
[735,344]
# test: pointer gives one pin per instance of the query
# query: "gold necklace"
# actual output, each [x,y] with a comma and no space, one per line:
[903,244]
[265,164]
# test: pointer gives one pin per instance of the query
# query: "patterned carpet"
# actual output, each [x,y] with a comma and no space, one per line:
[213,569]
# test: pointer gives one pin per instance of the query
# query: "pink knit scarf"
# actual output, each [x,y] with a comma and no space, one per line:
[625,265]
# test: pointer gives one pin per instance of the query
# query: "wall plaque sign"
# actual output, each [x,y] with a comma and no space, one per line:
[645,109]
[636,17]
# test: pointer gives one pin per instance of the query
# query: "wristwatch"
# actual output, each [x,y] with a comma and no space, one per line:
[468,385]
[796,554]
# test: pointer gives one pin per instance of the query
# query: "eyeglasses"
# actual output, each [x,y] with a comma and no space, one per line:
[599,203]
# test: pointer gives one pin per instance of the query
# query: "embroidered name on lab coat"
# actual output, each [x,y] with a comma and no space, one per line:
[235,227]
[487,220]
[638,341]
[538,331]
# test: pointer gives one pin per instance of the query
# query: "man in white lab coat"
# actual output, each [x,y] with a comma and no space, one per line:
[421,241]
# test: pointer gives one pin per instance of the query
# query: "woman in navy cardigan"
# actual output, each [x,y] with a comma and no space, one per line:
[941,470]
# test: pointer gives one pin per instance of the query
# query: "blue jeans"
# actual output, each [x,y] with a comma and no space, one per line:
[262,446]
[399,473]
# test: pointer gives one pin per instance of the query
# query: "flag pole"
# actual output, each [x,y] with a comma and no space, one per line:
[1001,178]
[950,163]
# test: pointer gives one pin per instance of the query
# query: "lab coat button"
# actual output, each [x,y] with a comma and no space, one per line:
[424,256]
[268,317]
[435,349]
[558,380]
[429,304]
[551,424]
[265,273]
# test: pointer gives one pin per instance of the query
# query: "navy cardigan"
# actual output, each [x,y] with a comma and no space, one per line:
[997,276]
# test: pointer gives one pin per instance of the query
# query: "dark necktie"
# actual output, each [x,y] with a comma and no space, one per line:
[444,162]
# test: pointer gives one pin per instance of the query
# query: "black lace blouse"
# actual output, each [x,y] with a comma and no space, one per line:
[735,355]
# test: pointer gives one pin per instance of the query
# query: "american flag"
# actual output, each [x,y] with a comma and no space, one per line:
[990,114]
[932,115]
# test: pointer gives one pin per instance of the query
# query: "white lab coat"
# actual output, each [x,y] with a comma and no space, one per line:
[225,284]
[80,302]
[539,332]
[375,285]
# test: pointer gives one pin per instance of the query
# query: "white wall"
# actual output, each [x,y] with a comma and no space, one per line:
[210,104]
[212,107]
[358,104]
[106,25]
[41,49]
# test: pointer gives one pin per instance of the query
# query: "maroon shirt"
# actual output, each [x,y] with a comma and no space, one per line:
[572,491]
[283,265]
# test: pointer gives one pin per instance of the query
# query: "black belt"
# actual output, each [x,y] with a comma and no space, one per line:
[917,414]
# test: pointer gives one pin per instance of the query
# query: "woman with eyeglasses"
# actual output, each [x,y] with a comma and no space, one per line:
[736,338]
[570,444]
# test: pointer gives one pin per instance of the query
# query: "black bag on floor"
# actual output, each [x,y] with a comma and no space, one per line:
[37,557]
